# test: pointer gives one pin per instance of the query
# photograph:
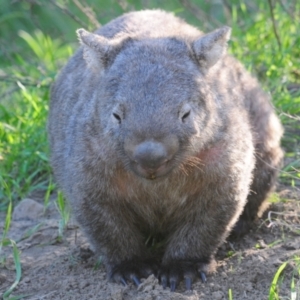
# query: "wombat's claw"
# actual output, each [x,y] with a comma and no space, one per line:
[188,283]
[164,281]
[135,280]
[133,270]
[173,284]
[203,276]
[124,277]
[175,271]
[123,281]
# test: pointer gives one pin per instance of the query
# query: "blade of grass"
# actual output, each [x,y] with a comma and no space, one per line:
[17,262]
[293,290]
[273,293]
[8,214]
[50,188]
[30,232]
[230,297]
[64,211]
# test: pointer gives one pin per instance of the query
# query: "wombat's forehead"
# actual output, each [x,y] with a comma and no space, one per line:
[155,90]
[166,58]
[155,79]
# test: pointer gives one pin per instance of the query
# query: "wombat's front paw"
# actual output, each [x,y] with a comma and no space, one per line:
[172,273]
[133,270]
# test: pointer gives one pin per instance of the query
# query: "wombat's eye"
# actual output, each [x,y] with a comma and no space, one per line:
[117,117]
[184,117]
[184,112]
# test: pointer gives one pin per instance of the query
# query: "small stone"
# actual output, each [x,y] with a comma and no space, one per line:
[145,297]
[262,244]
[116,291]
[260,258]
[290,246]
[27,209]
[26,280]
[248,287]
[148,284]
[217,295]
[277,262]
[84,284]
[224,274]
[2,278]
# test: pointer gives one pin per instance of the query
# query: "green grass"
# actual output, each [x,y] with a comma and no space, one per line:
[279,277]
[64,210]
[24,165]
[37,39]
[273,295]
[7,223]
[16,256]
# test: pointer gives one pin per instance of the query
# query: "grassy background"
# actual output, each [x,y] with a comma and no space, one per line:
[38,36]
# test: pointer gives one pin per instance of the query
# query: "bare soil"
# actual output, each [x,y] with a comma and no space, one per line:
[54,268]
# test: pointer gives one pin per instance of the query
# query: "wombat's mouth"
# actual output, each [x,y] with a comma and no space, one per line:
[151,173]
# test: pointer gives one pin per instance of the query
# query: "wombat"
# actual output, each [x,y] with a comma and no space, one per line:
[156,132]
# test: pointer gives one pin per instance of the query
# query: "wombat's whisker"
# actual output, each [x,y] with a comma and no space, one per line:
[184,170]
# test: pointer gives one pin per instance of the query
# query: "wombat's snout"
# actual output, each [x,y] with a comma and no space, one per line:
[150,159]
[150,155]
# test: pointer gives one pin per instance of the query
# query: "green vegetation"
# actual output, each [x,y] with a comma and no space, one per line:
[230,297]
[37,37]
[273,289]
[64,211]
[17,262]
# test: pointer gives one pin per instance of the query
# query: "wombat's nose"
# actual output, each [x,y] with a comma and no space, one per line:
[150,155]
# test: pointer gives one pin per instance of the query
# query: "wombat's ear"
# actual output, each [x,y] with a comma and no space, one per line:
[210,47]
[95,49]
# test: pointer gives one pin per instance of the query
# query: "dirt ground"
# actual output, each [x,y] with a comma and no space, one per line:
[67,269]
